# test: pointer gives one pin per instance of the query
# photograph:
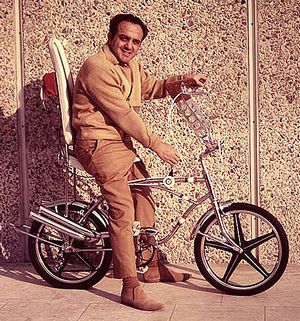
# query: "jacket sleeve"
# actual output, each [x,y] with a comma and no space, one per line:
[104,87]
[153,88]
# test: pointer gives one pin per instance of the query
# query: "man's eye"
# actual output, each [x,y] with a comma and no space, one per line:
[137,42]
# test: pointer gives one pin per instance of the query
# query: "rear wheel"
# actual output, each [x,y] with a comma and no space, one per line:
[80,265]
[265,250]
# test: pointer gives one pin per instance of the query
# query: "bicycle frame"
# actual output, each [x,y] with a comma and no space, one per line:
[161,183]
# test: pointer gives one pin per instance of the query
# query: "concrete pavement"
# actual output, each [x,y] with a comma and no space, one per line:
[24,296]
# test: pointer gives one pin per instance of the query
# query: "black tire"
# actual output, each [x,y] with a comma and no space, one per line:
[243,274]
[61,269]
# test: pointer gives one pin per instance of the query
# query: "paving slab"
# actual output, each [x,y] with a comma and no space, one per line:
[106,291]
[41,311]
[286,292]
[110,312]
[15,288]
[190,291]
[196,290]
[282,313]
[217,312]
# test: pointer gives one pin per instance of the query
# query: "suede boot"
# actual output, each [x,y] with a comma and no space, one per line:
[159,272]
[133,295]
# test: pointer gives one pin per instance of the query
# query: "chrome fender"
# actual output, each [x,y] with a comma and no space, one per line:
[206,216]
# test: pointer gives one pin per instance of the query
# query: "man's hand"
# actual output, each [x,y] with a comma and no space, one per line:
[194,80]
[167,153]
[190,80]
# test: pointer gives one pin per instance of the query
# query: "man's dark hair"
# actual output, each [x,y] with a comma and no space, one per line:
[115,21]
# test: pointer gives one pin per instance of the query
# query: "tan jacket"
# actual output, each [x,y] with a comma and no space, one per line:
[108,96]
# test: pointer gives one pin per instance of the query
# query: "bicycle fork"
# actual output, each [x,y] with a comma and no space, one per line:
[218,209]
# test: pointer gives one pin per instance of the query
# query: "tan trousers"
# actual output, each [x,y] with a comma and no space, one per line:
[112,164]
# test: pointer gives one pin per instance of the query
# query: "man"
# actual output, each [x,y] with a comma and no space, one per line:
[107,96]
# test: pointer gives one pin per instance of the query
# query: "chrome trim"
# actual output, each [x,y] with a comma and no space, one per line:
[102,235]
[98,212]
[59,227]
[67,222]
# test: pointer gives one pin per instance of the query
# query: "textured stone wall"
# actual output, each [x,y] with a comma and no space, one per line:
[185,36]
[10,247]
[279,26]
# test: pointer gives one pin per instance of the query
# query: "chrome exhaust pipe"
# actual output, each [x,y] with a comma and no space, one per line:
[68,223]
[57,226]
[67,226]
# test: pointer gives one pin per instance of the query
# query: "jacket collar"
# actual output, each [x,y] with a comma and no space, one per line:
[111,57]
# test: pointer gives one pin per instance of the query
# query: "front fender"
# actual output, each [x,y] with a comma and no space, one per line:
[206,216]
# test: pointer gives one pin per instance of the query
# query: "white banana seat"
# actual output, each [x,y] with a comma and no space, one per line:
[65,85]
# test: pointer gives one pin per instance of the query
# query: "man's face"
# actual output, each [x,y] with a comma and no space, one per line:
[126,42]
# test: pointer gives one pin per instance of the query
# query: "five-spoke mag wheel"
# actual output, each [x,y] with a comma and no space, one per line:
[253,270]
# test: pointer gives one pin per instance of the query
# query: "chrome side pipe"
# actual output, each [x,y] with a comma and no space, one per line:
[62,229]
[65,225]
[67,222]
[59,227]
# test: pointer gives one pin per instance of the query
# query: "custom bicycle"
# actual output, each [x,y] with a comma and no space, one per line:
[69,243]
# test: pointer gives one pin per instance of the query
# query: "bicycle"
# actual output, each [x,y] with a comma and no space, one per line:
[69,241]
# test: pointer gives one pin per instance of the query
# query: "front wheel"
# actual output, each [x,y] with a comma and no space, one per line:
[265,250]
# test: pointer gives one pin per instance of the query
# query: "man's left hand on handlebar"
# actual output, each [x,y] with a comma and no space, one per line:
[194,80]
[189,80]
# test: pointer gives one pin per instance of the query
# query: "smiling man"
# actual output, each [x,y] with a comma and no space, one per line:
[125,42]
[108,94]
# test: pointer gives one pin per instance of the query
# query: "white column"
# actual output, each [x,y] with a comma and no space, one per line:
[253,101]
[253,112]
